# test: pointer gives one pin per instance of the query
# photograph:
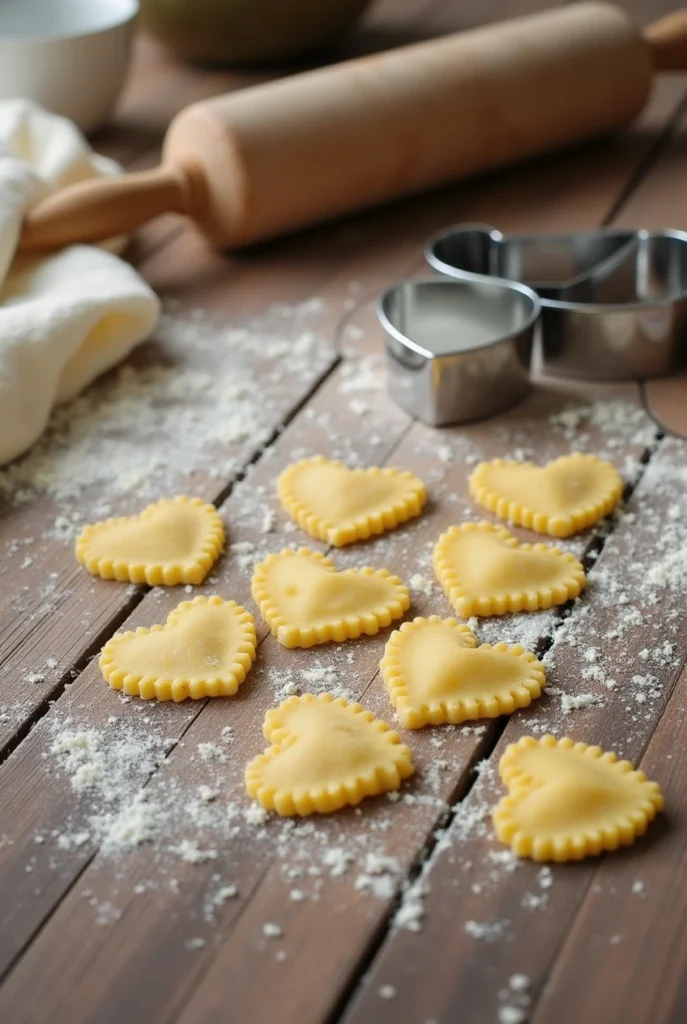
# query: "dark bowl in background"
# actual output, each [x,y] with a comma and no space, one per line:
[247,32]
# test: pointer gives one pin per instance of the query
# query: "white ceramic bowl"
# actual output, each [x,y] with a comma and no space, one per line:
[69,56]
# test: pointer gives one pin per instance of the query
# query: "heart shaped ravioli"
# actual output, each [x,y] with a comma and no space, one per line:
[206,649]
[559,499]
[173,541]
[325,754]
[305,601]
[485,571]
[567,800]
[435,673]
[341,505]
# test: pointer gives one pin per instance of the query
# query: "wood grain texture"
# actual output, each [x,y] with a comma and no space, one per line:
[490,917]
[33,640]
[308,930]
[233,289]
[184,359]
[87,935]
[238,949]
[635,907]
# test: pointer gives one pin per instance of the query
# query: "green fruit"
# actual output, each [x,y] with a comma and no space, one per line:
[247,31]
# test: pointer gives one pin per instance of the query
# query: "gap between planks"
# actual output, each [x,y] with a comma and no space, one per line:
[158,88]
[479,969]
[424,461]
[263,463]
[595,546]
[139,593]
[386,237]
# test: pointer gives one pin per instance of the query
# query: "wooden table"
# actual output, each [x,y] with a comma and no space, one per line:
[138,883]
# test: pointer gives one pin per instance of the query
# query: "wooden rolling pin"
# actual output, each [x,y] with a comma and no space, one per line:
[266,160]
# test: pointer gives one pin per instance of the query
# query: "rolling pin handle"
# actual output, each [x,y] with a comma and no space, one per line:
[667,39]
[103,208]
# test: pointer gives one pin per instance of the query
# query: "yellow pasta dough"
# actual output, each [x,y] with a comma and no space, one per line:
[305,601]
[325,753]
[567,800]
[485,571]
[173,541]
[206,649]
[341,505]
[560,498]
[435,673]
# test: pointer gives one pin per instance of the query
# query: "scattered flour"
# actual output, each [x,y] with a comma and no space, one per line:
[255,815]
[519,983]
[512,1014]
[269,521]
[576,702]
[185,400]
[227,892]
[489,931]
[411,912]
[211,752]
[246,554]
[110,769]
[384,887]
[337,860]
[188,851]
[422,584]
[135,823]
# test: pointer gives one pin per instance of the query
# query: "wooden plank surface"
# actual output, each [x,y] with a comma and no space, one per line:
[76,910]
[211,300]
[472,975]
[91,708]
[121,887]
[233,291]
[638,895]
[489,917]
[192,406]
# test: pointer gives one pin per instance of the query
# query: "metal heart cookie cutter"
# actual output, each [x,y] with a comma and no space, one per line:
[608,305]
[613,303]
[458,350]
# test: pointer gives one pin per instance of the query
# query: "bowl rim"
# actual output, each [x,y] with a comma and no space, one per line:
[115,14]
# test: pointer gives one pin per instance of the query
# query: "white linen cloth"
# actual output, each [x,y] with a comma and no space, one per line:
[67,316]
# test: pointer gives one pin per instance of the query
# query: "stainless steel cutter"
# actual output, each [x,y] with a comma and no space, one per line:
[458,350]
[613,303]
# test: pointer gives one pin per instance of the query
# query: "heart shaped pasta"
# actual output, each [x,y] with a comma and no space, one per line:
[173,541]
[305,601]
[435,673]
[341,505]
[560,498]
[485,571]
[567,800]
[325,754]
[206,649]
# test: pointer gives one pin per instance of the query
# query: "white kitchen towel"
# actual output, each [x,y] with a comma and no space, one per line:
[68,316]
